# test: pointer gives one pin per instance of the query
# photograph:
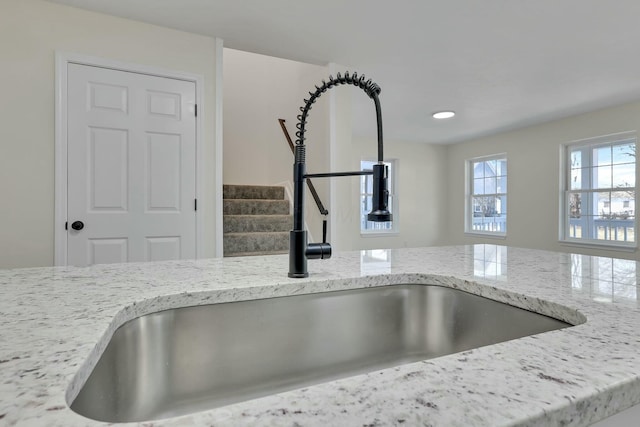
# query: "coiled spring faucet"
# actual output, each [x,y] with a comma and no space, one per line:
[299,249]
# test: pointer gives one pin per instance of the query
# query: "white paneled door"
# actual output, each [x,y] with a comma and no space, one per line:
[131,153]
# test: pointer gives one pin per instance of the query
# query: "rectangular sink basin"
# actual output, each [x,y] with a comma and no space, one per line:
[191,359]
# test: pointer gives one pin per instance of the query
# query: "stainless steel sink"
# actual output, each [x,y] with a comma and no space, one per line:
[190,359]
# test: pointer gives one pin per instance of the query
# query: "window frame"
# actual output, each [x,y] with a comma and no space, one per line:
[469,205]
[588,145]
[393,199]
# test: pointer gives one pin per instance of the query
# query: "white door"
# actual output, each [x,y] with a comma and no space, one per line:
[131,179]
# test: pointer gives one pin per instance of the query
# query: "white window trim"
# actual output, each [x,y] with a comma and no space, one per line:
[468,217]
[563,228]
[395,229]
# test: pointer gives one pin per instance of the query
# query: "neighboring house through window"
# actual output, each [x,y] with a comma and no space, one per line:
[366,200]
[486,204]
[599,191]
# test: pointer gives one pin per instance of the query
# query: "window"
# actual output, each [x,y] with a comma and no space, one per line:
[486,205]
[599,191]
[366,200]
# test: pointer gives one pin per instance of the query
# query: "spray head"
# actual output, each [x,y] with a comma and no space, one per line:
[379,210]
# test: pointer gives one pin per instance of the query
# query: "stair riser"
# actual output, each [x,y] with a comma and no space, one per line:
[261,242]
[255,223]
[255,207]
[252,192]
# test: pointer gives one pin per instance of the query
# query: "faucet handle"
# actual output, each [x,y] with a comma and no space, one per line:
[324,230]
[318,251]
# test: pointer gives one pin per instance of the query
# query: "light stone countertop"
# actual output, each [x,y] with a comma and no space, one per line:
[56,321]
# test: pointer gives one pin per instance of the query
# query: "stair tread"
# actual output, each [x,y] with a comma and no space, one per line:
[252,216]
[261,217]
[239,254]
[240,192]
[253,233]
[248,186]
[256,223]
[256,200]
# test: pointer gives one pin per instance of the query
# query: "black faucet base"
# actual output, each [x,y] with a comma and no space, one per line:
[297,256]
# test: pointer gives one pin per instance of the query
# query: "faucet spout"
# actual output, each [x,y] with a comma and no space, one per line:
[299,249]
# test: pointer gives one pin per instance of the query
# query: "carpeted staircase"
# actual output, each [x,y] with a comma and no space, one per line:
[256,220]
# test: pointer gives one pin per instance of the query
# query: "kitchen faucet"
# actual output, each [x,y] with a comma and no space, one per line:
[299,249]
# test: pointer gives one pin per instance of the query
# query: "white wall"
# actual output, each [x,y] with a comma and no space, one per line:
[30,33]
[420,188]
[342,217]
[533,156]
[259,90]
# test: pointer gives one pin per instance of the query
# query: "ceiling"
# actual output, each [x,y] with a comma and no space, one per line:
[500,64]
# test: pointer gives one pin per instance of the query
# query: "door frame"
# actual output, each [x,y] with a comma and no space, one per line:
[63,59]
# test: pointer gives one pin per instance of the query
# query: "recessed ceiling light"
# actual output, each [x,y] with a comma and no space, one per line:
[443,114]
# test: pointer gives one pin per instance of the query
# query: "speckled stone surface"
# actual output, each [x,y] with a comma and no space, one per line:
[55,322]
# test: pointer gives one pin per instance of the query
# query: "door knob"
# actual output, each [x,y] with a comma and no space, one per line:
[77,225]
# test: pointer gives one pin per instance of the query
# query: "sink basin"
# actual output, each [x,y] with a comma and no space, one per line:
[191,359]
